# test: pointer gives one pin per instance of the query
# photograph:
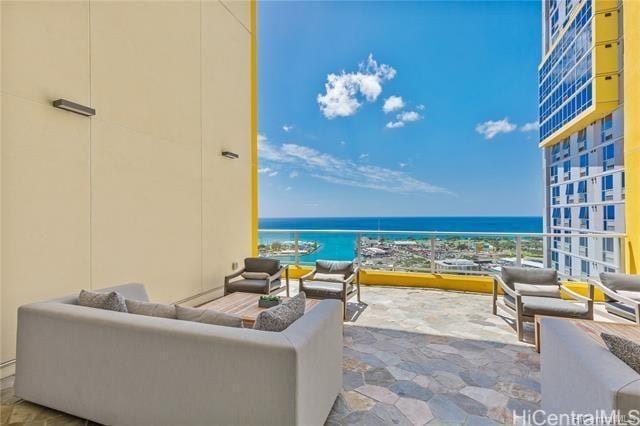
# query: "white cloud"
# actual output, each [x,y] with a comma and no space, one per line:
[529,127]
[402,118]
[420,107]
[490,128]
[288,188]
[272,174]
[294,174]
[402,165]
[408,116]
[346,172]
[392,103]
[264,170]
[287,127]
[261,137]
[344,91]
[363,156]
[394,124]
[343,143]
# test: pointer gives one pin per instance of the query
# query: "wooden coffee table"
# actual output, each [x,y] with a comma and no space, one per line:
[245,305]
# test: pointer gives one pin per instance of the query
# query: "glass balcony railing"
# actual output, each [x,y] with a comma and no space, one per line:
[466,253]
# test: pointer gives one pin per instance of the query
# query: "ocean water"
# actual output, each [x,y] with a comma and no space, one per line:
[343,246]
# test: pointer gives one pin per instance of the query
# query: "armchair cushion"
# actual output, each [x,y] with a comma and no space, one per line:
[344,268]
[537,290]
[336,278]
[617,282]
[252,286]
[537,276]
[261,264]
[535,305]
[325,289]
[255,275]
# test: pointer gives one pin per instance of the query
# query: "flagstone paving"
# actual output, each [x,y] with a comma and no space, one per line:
[411,357]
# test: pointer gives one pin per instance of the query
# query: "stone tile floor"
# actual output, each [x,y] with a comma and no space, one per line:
[411,357]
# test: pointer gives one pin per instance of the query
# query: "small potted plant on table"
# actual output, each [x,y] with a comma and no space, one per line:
[268,301]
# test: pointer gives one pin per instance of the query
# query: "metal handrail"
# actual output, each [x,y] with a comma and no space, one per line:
[435,233]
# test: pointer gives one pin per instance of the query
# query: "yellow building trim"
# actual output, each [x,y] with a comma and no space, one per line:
[254,128]
[631,31]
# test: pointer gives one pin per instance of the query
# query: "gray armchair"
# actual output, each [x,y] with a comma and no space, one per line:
[259,275]
[532,291]
[332,280]
[621,293]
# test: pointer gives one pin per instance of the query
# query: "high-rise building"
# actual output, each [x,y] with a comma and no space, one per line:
[581,116]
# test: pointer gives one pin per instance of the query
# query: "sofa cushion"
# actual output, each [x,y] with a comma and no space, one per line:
[625,349]
[281,316]
[344,268]
[617,282]
[544,290]
[208,316]
[255,275]
[111,301]
[150,309]
[261,264]
[513,274]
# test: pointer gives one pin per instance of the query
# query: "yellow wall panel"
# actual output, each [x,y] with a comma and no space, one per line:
[145,66]
[146,212]
[226,125]
[44,57]
[606,26]
[631,17]
[45,207]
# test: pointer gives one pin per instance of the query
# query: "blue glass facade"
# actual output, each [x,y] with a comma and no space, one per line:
[565,78]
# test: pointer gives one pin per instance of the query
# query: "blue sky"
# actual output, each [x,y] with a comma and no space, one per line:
[336,140]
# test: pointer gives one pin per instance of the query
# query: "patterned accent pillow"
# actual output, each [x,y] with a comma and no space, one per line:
[625,349]
[281,316]
[150,309]
[208,316]
[112,301]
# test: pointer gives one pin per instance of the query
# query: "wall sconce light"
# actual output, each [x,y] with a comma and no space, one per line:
[230,154]
[74,107]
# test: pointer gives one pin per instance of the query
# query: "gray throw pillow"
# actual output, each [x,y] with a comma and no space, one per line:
[208,316]
[255,275]
[625,349]
[282,316]
[150,309]
[112,301]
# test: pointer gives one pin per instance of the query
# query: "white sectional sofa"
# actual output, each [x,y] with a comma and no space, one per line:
[125,369]
[580,376]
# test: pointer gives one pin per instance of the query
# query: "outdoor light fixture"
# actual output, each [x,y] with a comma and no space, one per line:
[74,107]
[230,154]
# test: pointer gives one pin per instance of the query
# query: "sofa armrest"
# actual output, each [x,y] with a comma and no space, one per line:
[580,375]
[317,338]
[308,276]
[507,290]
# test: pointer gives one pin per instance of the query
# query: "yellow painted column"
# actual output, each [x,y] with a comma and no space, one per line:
[631,34]
[254,127]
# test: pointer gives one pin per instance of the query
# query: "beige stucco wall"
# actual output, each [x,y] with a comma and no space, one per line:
[139,192]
